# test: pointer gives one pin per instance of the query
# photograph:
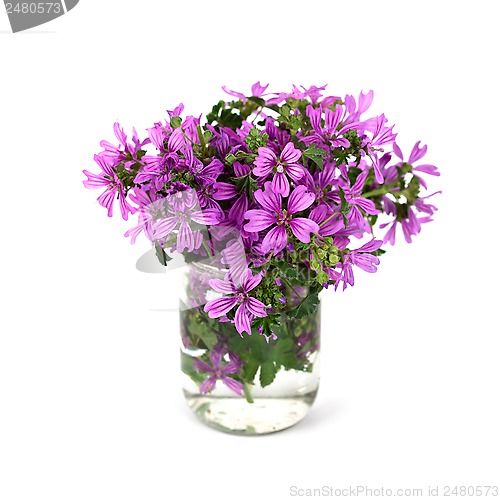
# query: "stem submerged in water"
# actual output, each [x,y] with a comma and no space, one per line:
[246,392]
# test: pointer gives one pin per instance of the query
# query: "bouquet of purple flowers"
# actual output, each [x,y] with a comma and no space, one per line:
[284,192]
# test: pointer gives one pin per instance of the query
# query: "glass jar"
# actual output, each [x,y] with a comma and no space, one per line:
[245,384]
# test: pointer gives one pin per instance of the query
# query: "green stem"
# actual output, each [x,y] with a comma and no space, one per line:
[290,286]
[246,392]
[208,249]
[326,220]
[259,111]
[202,138]
[376,192]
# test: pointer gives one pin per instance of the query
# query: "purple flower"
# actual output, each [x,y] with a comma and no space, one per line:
[248,306]
[108,179]
[273,213]
[364,102]
[180,207]
[415,155]
[157,167]
[321,183]
[381,135]
[410,225]
[328,132]
[257,91]
[353,196]
[238,210]
[149,211]
[220,141]
[176,111]
[329,221]
[224,191]
[360,258]
[267,161]
[117,154]
[234,257]
[158,136]
[204,174]
[219,373]
[313,93]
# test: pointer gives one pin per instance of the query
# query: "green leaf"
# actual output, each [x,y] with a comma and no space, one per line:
[246,184]
[161,254]
[267,373]
[223,116]
[344,207]
[285,111]
[257,100]
[306,307]
[187,366]
[209,338]
[315,154]
[285,353]
[201,330]
[378,252]
[250,369]
[256,140]
[413,189]
[314,151]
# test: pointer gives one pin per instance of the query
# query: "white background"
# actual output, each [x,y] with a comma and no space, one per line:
[90,404]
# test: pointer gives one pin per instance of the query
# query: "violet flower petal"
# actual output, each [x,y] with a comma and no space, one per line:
[255,307]
[176,140]
[367,262]
[222,286]
[295,171]
[258,220]
[280,184]
[275,239]
[248,281]
[417,153]
[290,154]
[427,169]
[241,321]
[203,366]
[263,171]
[208,385]
[302,228]
[367,205]
[371,246]
[397,151]
[185,238]
[224,191]
[234,385]
[216,358]
[268,199]
[265,158]
[300,199]
[219,307]
[208,217]
[164,226]
[238,210]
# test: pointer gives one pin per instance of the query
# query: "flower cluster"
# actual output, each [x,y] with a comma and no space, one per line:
[281,189]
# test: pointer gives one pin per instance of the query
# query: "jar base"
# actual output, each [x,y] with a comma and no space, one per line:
[237,416]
